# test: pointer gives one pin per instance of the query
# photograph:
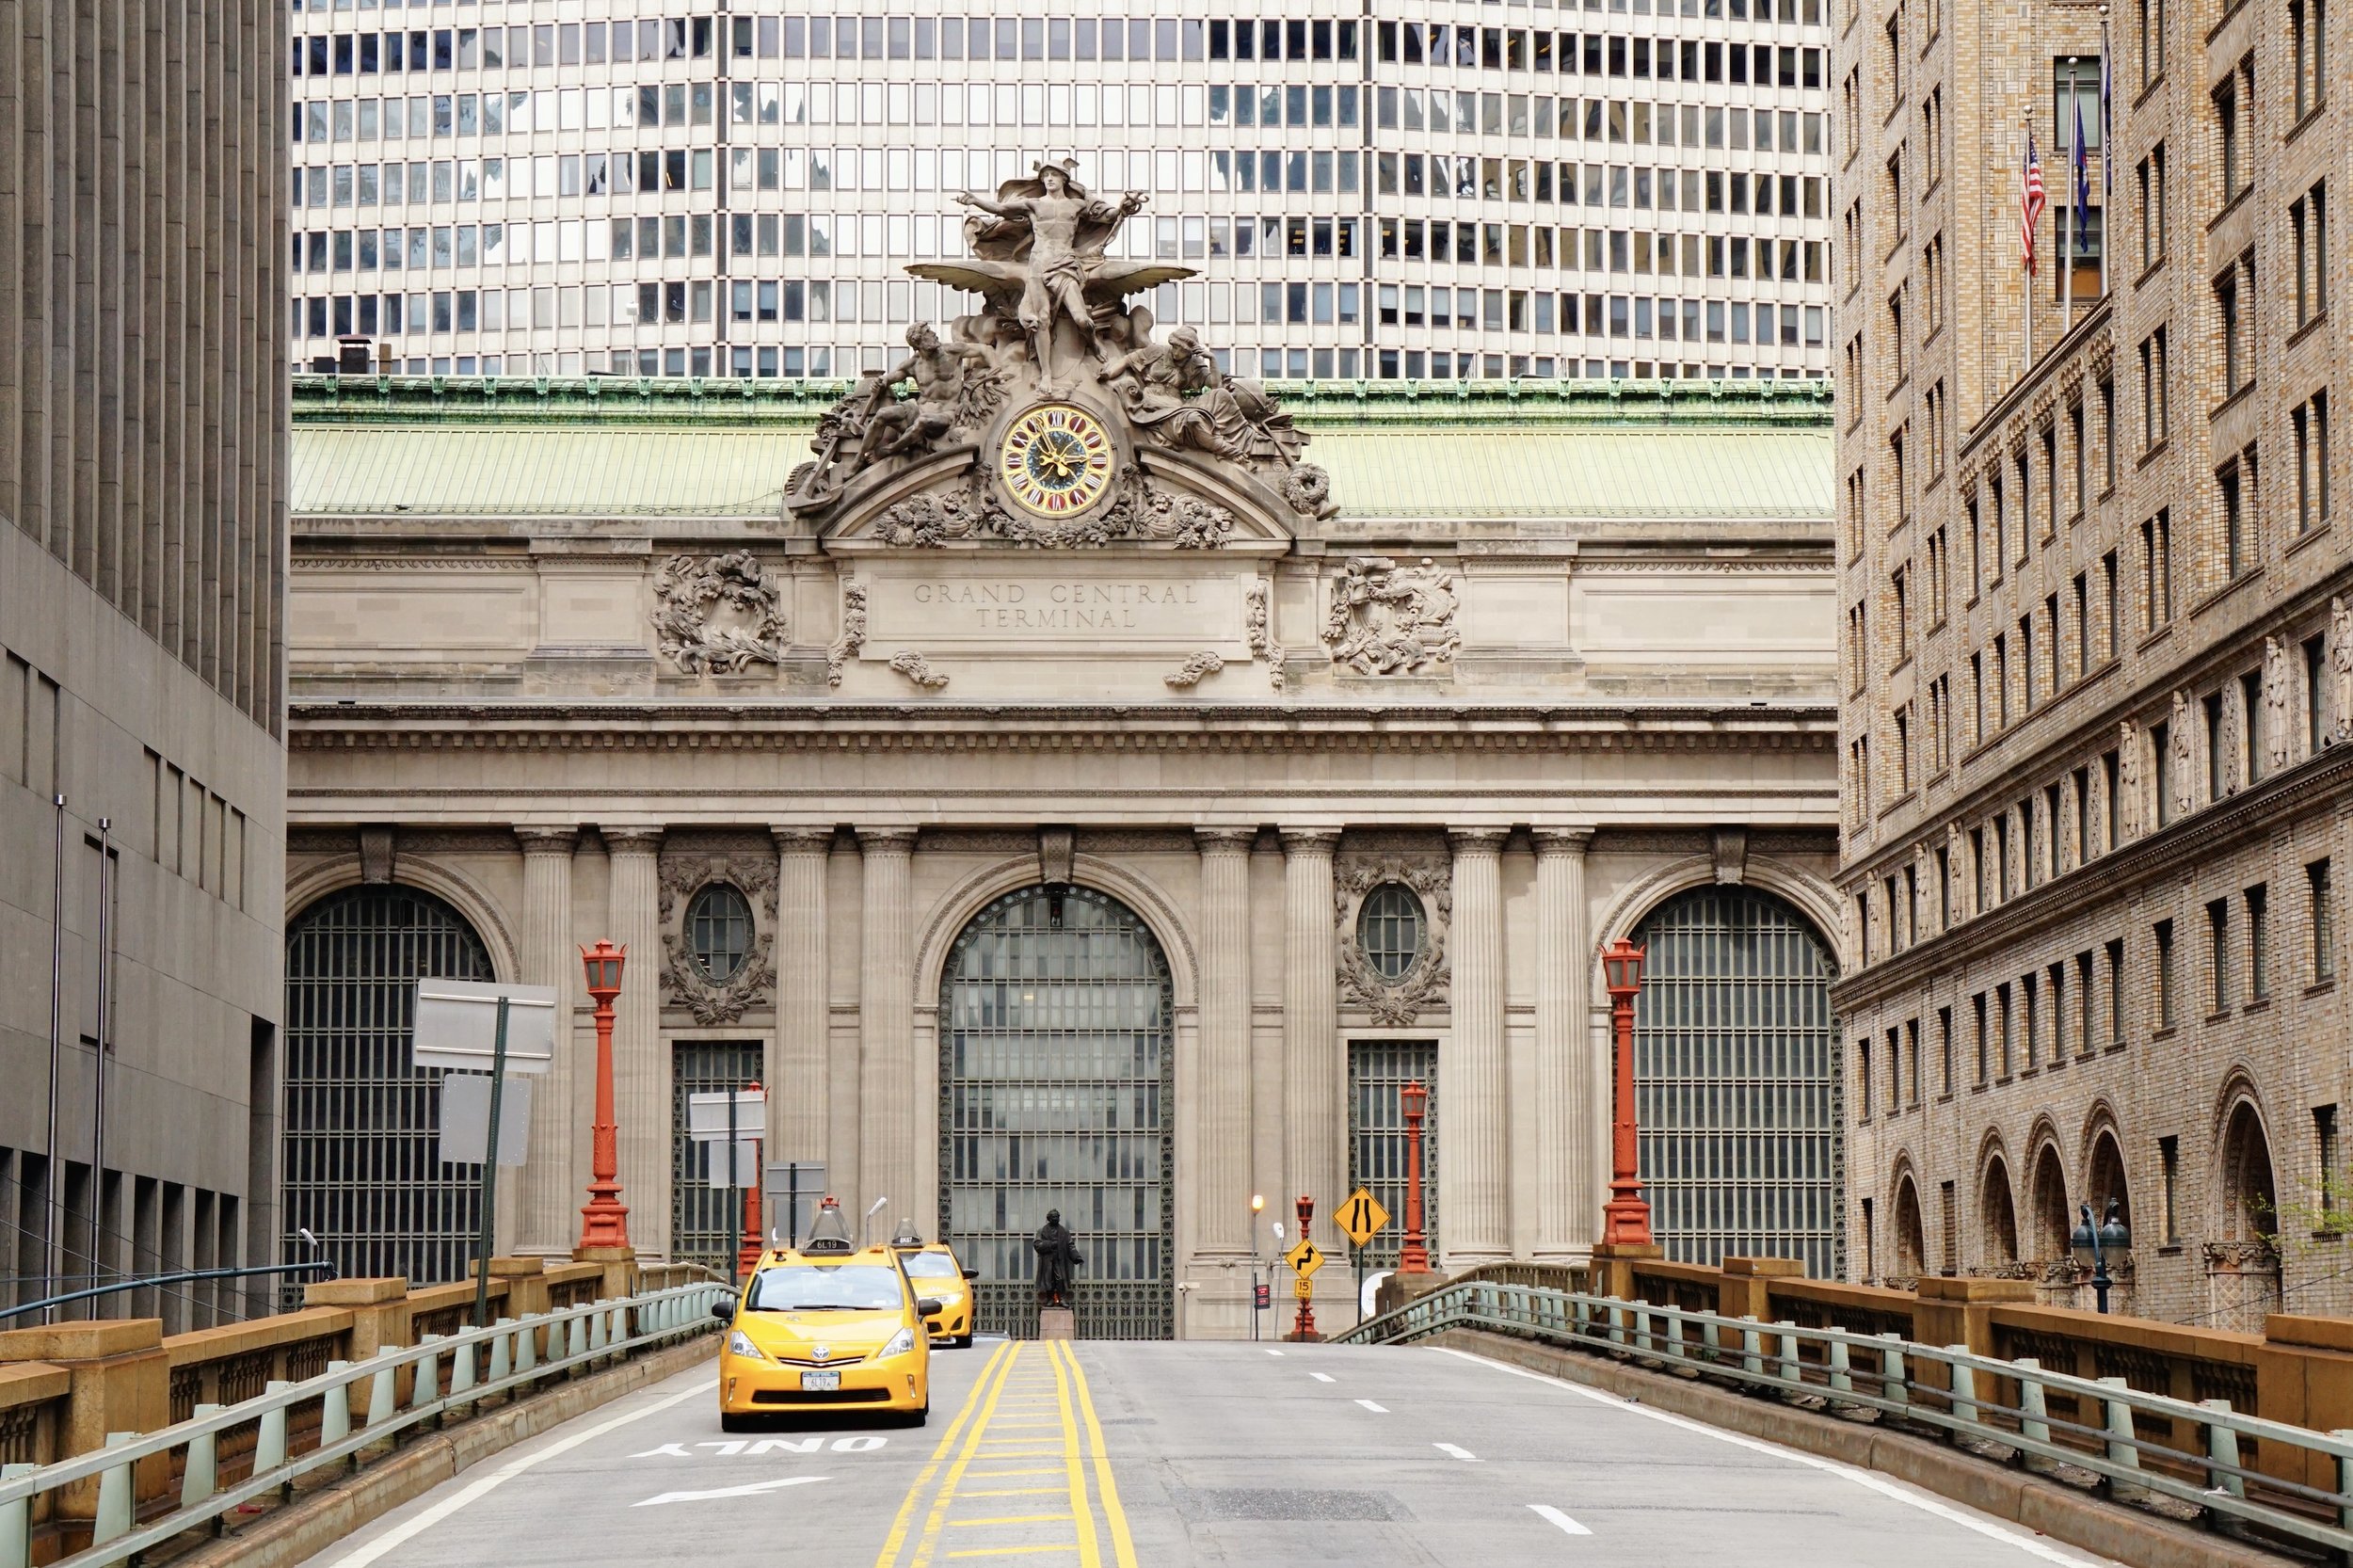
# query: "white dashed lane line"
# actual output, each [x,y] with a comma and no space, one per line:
[1569,1525]
[1376,1409]
[1321,1377]
[1456,1450]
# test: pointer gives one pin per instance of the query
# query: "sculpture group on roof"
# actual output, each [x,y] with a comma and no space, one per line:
[1054,322]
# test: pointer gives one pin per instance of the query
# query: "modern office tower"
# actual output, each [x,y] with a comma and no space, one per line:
[1445,189]
[142,541]
[2098,662]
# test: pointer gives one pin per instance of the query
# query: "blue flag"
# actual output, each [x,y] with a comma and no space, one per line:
[2083,184]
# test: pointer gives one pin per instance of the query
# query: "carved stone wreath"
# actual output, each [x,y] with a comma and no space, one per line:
[1424,983]
[721,614]
[683,983]
[1137,510]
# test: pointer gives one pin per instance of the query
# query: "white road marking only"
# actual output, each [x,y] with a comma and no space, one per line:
[410,1529]
[1545,1511]
[1321,1377]
[749,1490]
[1864,1479]
[1376,1409]
[1458,1452]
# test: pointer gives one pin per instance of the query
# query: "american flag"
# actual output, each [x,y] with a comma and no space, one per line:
[2030,202]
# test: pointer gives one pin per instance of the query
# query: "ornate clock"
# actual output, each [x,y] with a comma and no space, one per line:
[1056,459]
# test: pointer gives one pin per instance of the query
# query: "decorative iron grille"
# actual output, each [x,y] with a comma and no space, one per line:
[1736,1082]
[704,1226]
[362,1173]
[1377,1070]
[1055,1030]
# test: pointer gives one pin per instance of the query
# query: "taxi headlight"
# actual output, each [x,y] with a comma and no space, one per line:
[900,1343]
[740,1343]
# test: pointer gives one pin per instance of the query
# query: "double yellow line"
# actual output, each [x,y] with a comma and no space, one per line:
[1049,1390]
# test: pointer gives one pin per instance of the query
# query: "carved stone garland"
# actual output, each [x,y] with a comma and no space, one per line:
[1259,623]
[1137,510]
[1424,983]
[721,614]
[1388,619]
[683,983]
[845,648]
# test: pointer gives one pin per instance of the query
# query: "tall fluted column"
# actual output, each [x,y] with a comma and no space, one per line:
[1315,1075]
[1473,1109]
[641,1060]
[799,1098]
[1221,1155]
[888,1146]
[1566,1116]
[551,1180]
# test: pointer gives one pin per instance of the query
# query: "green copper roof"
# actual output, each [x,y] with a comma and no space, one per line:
[1570,450]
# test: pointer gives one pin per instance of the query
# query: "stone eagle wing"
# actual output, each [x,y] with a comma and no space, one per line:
[1111,282]
[977,275]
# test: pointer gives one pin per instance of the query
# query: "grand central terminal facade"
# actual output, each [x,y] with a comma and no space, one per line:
[1086,781]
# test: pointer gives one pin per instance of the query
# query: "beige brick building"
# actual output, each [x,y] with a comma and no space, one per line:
[2098,662]
[142,536]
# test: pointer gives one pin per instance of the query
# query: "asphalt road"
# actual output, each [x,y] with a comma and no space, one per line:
[1156,1454]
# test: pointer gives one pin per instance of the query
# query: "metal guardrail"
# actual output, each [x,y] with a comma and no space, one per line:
[1900,1379]
[588,1334]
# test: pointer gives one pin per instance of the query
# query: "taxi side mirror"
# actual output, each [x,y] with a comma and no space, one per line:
[928,1307]
[724,1311]
[971,1274]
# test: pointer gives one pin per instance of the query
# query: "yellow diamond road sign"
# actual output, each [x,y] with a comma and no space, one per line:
[1361,1217]
[1303,1259]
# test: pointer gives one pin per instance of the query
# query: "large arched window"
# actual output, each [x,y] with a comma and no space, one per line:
[361,1172]
[1737,1082]
[1055,1021]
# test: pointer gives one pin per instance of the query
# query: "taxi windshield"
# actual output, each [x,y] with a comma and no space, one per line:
[817,1287]
[930,1264]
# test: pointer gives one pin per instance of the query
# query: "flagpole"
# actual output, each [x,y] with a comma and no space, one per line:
[2074,220]
[2107,152]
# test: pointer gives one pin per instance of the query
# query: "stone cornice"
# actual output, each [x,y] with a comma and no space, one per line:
[2318,782]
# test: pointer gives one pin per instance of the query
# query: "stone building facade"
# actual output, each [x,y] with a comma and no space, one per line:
[2097,661]
[1120,836]
[142,541]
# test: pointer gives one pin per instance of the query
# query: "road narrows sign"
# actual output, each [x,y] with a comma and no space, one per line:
[1361,1216]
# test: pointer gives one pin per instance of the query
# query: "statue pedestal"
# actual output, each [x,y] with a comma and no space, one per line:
[1056,1322]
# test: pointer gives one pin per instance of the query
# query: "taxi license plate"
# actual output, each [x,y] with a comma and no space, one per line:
[821,1382]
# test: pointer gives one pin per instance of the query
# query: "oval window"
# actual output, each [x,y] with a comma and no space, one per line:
[1389,929]
[719,932]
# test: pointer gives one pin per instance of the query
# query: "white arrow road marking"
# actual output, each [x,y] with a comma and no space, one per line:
[749,1489]
[418,1524]
[1321,1377]
[1376,1409]
[1545,1511]
[1456,1450]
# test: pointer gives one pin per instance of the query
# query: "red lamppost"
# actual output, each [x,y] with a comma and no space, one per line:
[1626,1220]
[1412,1256]
[604,1221]
[747,1255]
[1304,1324]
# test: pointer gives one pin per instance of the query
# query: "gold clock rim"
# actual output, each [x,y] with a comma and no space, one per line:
[1011,476]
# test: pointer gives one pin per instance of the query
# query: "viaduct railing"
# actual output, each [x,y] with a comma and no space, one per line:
[116,1440]
[1855,1351]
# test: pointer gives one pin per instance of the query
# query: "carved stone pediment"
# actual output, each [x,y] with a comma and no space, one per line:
[1423,986]
[683,983]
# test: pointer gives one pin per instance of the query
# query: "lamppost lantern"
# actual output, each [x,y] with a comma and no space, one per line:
[1257,1203]
[603,962]
[1622,967]
[2091,1245]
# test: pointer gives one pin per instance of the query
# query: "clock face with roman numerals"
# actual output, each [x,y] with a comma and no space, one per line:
[1056,459]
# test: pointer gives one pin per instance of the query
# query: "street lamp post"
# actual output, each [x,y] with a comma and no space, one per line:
[1626,1220]
[1413,1253]
[1258,1206]
[2093,1245]
[604,1221]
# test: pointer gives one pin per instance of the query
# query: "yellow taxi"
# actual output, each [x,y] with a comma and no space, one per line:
[831,1330]
[936,1274]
